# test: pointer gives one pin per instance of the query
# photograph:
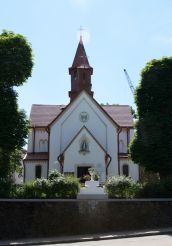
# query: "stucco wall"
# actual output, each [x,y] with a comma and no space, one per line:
[133,168]
[24,219]
[30,169]
[95,157]
[37,135]
[123,139]
[62,131]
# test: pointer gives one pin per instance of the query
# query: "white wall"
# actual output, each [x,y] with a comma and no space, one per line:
[30,141]
[41,135]
[41,140]
[133,168]
[30,169]
[95,157]
[68,125]
[123,139]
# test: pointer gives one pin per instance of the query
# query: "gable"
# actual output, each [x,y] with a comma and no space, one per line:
[84,135]
[90,100]
[69,122]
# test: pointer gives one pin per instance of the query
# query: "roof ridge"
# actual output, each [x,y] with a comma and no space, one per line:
[48,104]
[116,105]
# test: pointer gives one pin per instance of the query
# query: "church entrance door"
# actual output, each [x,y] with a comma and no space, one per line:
[82,171]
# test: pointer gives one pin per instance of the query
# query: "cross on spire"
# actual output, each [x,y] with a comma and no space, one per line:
[81,29]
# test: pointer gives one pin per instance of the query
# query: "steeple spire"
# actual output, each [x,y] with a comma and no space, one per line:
[81,59]
[80,72]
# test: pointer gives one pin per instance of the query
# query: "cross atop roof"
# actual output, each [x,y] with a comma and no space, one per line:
[81,29]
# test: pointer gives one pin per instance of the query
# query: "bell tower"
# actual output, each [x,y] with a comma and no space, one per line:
[80,72]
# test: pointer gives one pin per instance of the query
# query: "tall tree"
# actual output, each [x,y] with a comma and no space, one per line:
[15,68]
[152,144]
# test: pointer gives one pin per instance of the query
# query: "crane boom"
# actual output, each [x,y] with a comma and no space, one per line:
[129,82]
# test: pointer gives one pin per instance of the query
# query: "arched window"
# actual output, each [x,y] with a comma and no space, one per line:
[121,146]
[125,170]
[38,171]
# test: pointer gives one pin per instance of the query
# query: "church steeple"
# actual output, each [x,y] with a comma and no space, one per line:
[80,72]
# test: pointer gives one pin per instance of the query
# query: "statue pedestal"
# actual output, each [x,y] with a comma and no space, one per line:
[92,191]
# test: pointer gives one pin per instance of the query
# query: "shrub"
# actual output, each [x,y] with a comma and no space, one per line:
[121,187]
[64,187]
[33,189]
[160,189]
[55,187]
[54,174]
[6,188]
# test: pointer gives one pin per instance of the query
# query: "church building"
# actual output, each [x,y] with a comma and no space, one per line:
[72,138]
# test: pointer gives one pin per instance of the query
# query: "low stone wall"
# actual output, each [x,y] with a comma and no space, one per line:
[45,218]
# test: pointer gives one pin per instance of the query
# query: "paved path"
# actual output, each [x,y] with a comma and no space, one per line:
[159,240]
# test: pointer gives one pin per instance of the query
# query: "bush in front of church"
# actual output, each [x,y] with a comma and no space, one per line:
[121,187]
[56,186]
[63,187]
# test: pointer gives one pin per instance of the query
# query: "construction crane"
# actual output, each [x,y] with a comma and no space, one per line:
[129,82]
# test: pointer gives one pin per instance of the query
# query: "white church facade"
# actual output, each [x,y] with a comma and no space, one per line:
[71,138]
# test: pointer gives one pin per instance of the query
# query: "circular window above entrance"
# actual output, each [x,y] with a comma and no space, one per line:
[83,116]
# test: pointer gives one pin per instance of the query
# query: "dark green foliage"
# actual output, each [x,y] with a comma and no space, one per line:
[7,188]
[55,187]
[15,67]
[160,189]
[15,59]
[152,143]
[13,123]
[121,187]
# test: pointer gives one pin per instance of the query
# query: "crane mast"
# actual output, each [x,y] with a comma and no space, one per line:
[129,82]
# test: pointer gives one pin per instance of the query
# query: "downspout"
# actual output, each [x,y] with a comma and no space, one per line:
[24,171]
[119,131]
[60,159]
[34,139]
[128,130]
[107,156]
[48,131]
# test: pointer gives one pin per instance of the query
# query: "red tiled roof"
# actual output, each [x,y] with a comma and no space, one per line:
[36,156]
[42,115]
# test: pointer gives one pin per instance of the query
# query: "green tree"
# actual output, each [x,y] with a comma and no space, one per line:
[15,59]
[151,146]
[15,67]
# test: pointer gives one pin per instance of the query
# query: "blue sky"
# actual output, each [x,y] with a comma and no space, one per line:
[118,34]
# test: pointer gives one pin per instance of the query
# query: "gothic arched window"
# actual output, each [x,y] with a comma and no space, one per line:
[125,170]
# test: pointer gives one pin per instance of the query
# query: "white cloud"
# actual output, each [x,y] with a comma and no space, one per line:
[85,36]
